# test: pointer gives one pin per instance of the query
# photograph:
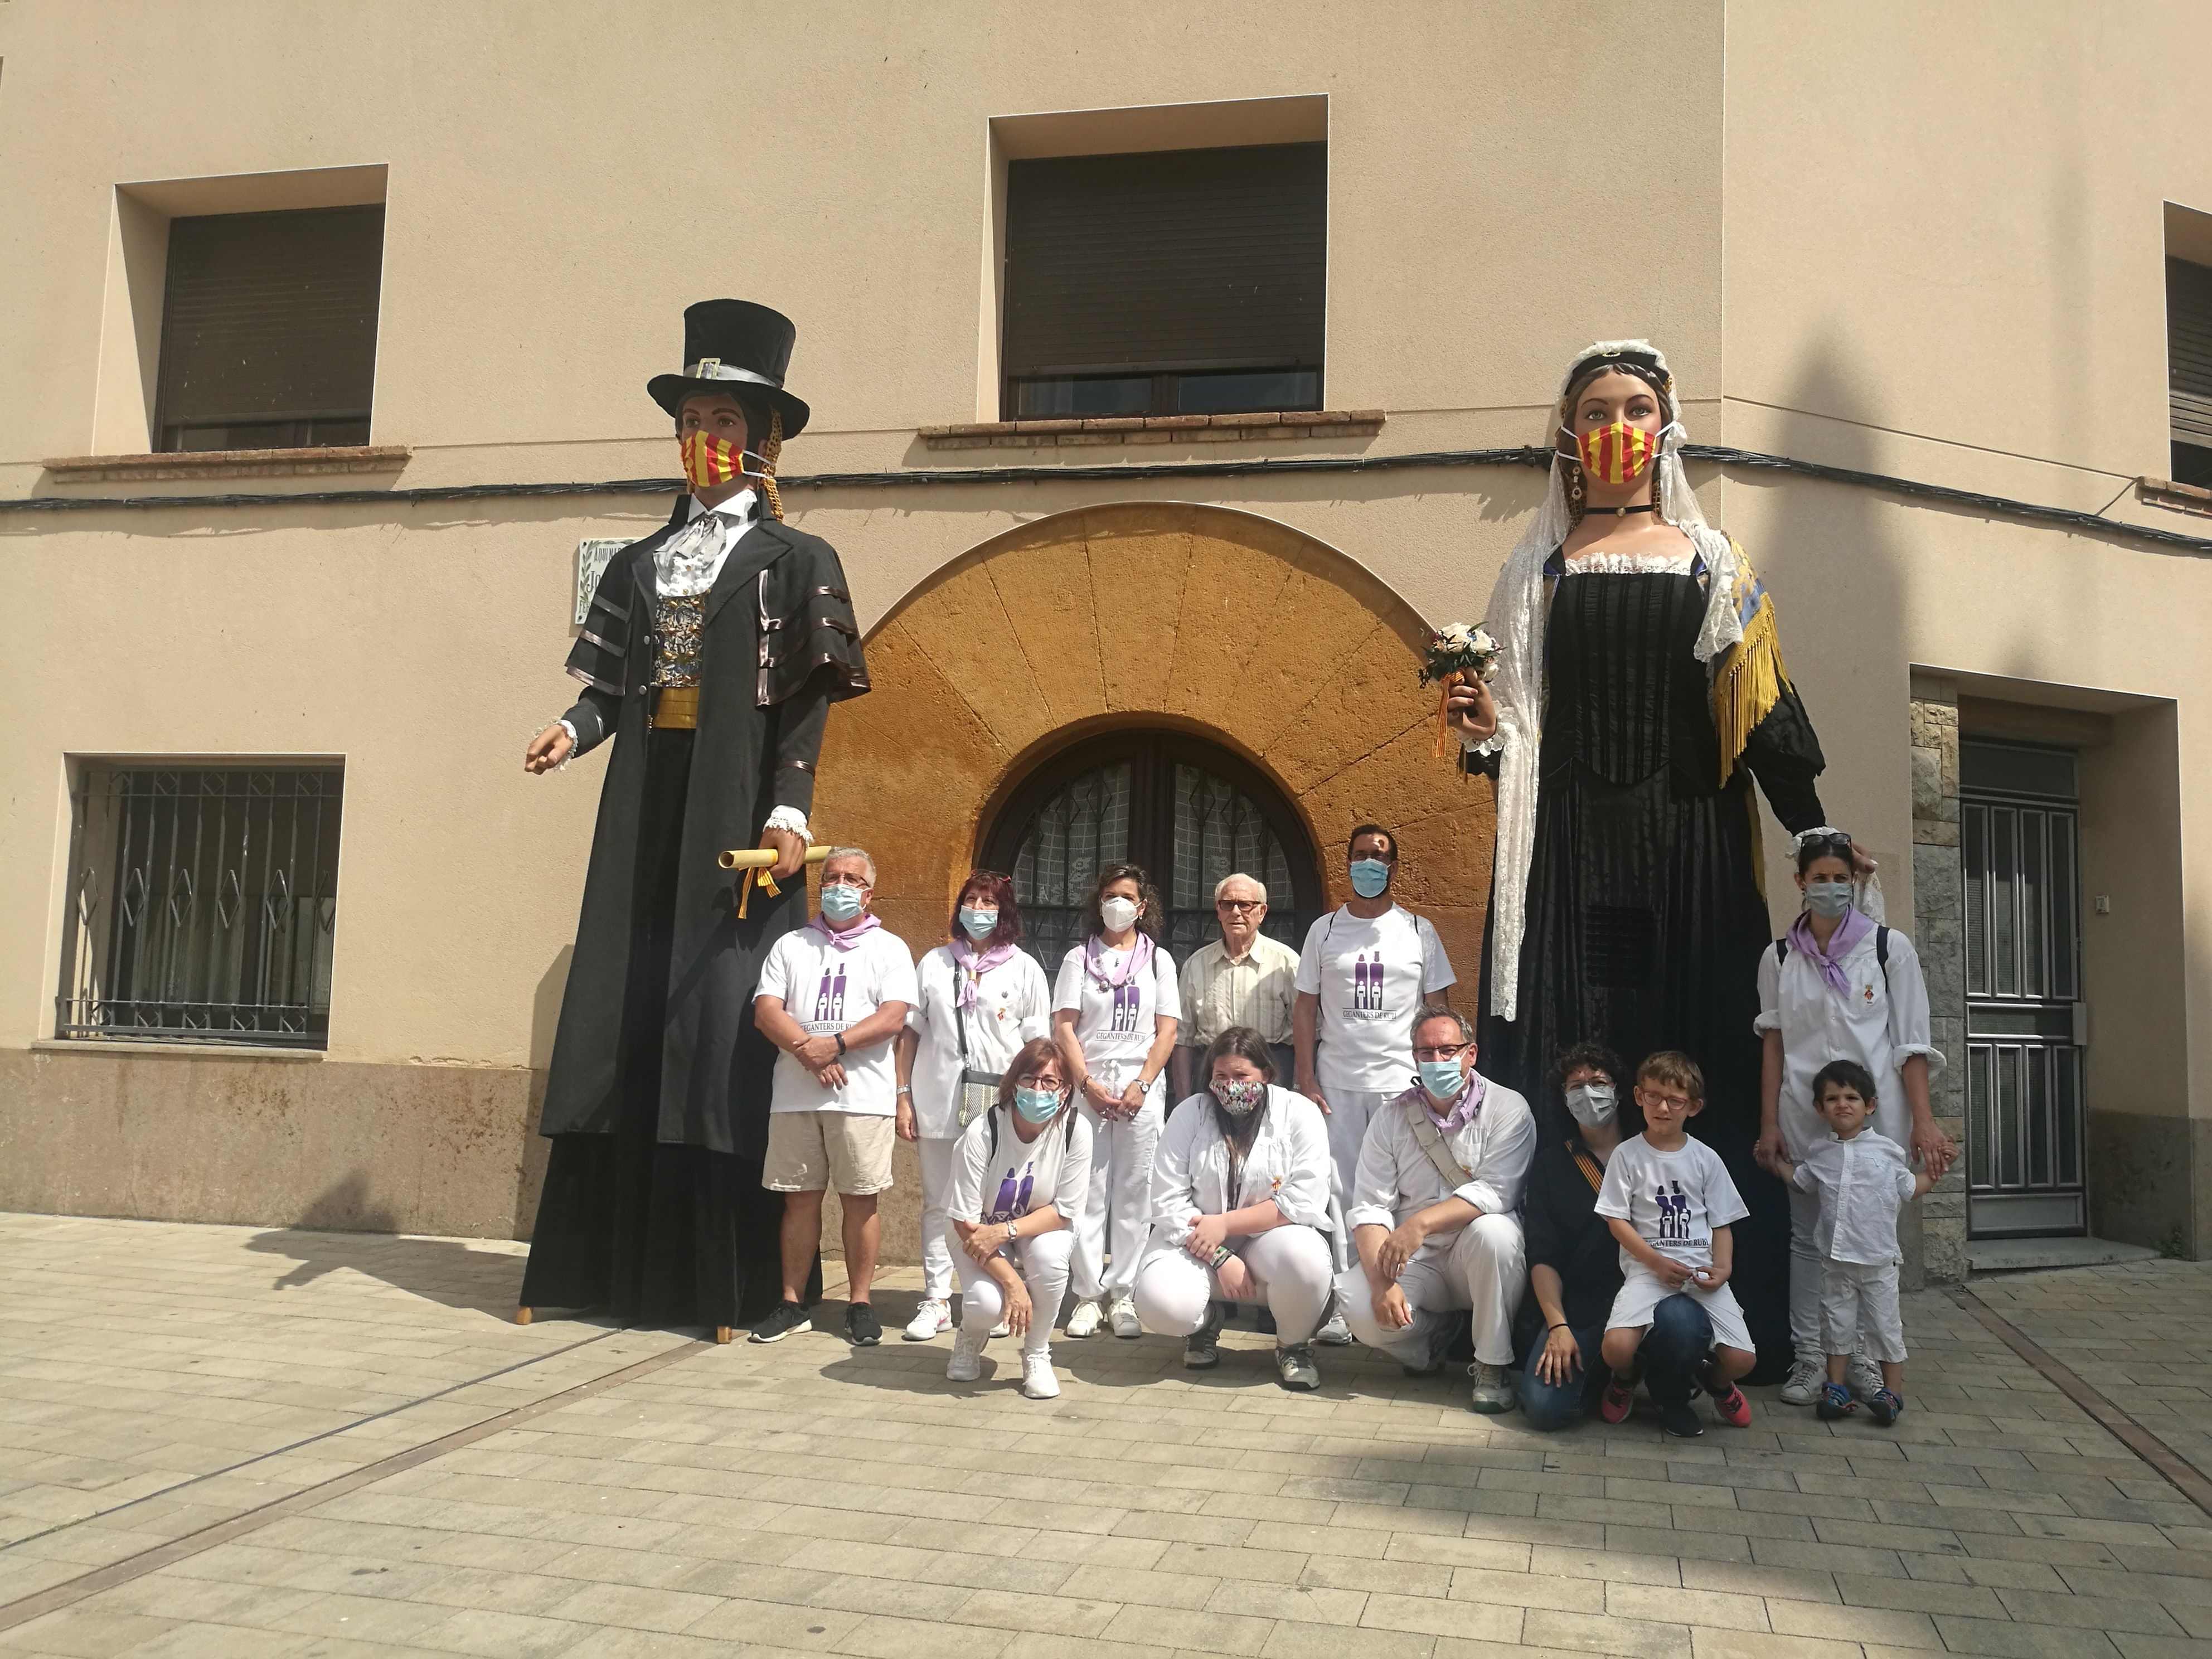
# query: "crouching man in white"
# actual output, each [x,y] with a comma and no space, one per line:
[1432,1213]
[1019,1174]
[1240,1196]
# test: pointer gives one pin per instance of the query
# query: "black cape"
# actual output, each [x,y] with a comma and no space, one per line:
[779,644]
[1645,921]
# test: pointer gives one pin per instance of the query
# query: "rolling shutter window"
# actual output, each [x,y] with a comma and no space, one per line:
[270,326]
[2189,350]
[1167,262]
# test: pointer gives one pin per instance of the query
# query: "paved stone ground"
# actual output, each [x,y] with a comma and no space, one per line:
[806,1498]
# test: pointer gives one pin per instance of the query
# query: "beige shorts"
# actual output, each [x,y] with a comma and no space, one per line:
[808,1151]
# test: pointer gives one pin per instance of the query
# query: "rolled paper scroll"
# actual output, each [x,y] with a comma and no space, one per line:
[759,864]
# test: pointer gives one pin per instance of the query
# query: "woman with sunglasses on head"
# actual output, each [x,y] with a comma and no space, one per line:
[1020,1173]
[1839,986]
[1639,692]
[1115,1009]
[1240,1197]
[981,998]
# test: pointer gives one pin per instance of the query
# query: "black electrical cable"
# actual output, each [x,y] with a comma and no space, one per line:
[1534,455]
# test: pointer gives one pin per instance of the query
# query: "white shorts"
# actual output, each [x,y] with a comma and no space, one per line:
[1641,1291]
[1859,1310]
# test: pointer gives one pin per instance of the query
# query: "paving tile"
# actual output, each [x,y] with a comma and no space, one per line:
[1658,1602]
[1891,1627]
[1584,1632]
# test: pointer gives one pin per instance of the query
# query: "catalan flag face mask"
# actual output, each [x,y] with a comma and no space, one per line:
[708,460]
[1616,454]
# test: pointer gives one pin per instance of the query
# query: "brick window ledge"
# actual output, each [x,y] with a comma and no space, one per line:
[228,464]
[1154,429]
[2177,497]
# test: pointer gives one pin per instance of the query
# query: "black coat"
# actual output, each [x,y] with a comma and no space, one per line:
[764,698]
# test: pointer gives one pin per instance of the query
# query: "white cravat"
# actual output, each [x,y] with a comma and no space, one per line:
[688,560]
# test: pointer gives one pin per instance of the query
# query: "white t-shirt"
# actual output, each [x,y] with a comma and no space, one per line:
[1115,1025]
[1674,1199]
[1000,1185]
[828,991]
[1013,1005]
[1370,976]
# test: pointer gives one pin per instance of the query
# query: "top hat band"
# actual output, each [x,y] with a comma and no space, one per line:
[713,369]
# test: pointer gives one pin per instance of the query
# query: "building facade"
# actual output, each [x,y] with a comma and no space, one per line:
[1123,332]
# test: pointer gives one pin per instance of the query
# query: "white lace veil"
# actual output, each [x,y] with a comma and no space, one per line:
[1516,621]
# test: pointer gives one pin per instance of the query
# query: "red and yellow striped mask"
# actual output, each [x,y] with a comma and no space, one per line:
[708,460]
[1618,453]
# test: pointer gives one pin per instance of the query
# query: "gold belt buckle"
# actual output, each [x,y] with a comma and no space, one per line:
[676,708]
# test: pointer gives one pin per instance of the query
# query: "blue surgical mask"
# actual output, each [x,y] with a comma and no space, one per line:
[1828,899]
[1369,877]
[1442,1078]
[842,904]
[1036,1105]
[978,925]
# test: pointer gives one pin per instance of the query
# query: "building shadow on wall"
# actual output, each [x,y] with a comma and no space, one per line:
[447,1271]
[544,1019]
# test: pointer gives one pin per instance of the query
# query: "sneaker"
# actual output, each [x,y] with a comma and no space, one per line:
[782,1320]
[1614,1403]
[1201,1349]
[1863,1377]
[1730,1406]
[862,1329]
[1083,1319]
[1803,1385]
[1493,1388]
[1002,1328]
[1836,1401]
[1295,1368]
[1680,1418]
[1038,1382]
[1333,1332]
[1885,1406]
[1122,1315]
[966,1364]
[932,1318]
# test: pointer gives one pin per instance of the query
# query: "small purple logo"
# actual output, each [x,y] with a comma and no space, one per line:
[1125,1009]
[1366,984]
[1674,1211]
[829,999]
[1013,1200]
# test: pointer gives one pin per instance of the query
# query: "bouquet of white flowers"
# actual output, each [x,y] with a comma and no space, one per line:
[1457,654]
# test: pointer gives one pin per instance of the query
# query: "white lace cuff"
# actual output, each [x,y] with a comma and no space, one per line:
[791,818]
[573,743]
[1489,745]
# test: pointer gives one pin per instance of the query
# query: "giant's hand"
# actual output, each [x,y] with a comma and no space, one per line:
[1470,711]
[548,749]
[790,849]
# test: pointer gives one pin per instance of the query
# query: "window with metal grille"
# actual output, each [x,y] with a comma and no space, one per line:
[1174,282]
[269,328]
[202,905]
[2189,369]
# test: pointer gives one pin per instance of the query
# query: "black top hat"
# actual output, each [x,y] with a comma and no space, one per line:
[736,347]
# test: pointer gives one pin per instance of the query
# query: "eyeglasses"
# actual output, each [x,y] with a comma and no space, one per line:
[1442,1051]
[845,881]
[1240,905]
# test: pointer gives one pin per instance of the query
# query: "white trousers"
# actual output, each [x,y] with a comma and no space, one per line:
[1289,1268]
[1808,1274]
[1042,1263]
[1348,1116]
[935,1154]
[1483,1268]
[1859,1310]
[1116,1217]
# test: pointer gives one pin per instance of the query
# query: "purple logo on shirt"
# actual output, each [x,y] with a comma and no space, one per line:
[1013,1201]
[830,999]
[1366,984]
[1674,1211]
[1125,1009]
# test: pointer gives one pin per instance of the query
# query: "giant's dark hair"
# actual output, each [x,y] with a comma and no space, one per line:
[1149,920]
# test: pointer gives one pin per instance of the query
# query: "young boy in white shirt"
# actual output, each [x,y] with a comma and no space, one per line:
[1669,1202]
[1862,1178]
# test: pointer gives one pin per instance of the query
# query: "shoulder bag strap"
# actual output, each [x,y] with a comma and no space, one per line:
[1432,1142]
[1592,1172]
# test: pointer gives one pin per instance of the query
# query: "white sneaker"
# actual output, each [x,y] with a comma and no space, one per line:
[1123,1316]
[1084,1320]
[1803,1385]
[1002,1328]
[1038,1382]
[1493,1388]
[929,1319]
[1865,1376]
[966,1364]
[1333,1332]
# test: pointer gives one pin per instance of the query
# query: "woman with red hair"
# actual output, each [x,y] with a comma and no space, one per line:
[983,997]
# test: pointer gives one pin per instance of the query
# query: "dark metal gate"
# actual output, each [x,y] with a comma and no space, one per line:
[2019,836]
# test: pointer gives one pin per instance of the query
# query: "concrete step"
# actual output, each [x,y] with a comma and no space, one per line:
[2014,1255]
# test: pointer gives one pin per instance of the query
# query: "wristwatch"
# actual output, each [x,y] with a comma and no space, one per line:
[904,1089]
[840,1045]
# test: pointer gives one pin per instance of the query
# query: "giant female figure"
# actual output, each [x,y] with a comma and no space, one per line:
[1640,690]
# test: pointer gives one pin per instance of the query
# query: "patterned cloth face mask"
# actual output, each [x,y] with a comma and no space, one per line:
[1617,453]
[1240,1097]
[709,461]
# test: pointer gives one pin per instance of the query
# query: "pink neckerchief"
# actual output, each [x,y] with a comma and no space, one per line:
[968,969]
[1140,957]
[1854,928]
[846,939]
[1464,1110]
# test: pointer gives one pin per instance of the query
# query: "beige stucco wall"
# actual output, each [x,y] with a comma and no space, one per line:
[1924,243]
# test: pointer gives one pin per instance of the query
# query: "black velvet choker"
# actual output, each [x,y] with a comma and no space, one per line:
[1617,512]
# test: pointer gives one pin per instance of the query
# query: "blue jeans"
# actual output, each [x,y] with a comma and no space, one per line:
[1680,1339]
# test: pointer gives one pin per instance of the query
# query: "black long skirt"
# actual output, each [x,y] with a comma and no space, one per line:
[654,1233]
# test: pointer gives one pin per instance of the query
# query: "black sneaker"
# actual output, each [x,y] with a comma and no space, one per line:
[1201,1349]
[862,1329]
[1680,1419]
[782,1320]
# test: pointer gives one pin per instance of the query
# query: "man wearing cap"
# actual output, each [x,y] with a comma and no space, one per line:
[711,653]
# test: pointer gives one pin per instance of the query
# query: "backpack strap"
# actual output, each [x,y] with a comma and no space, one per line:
[1781,950]
[1881,952]
[1431,1140]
